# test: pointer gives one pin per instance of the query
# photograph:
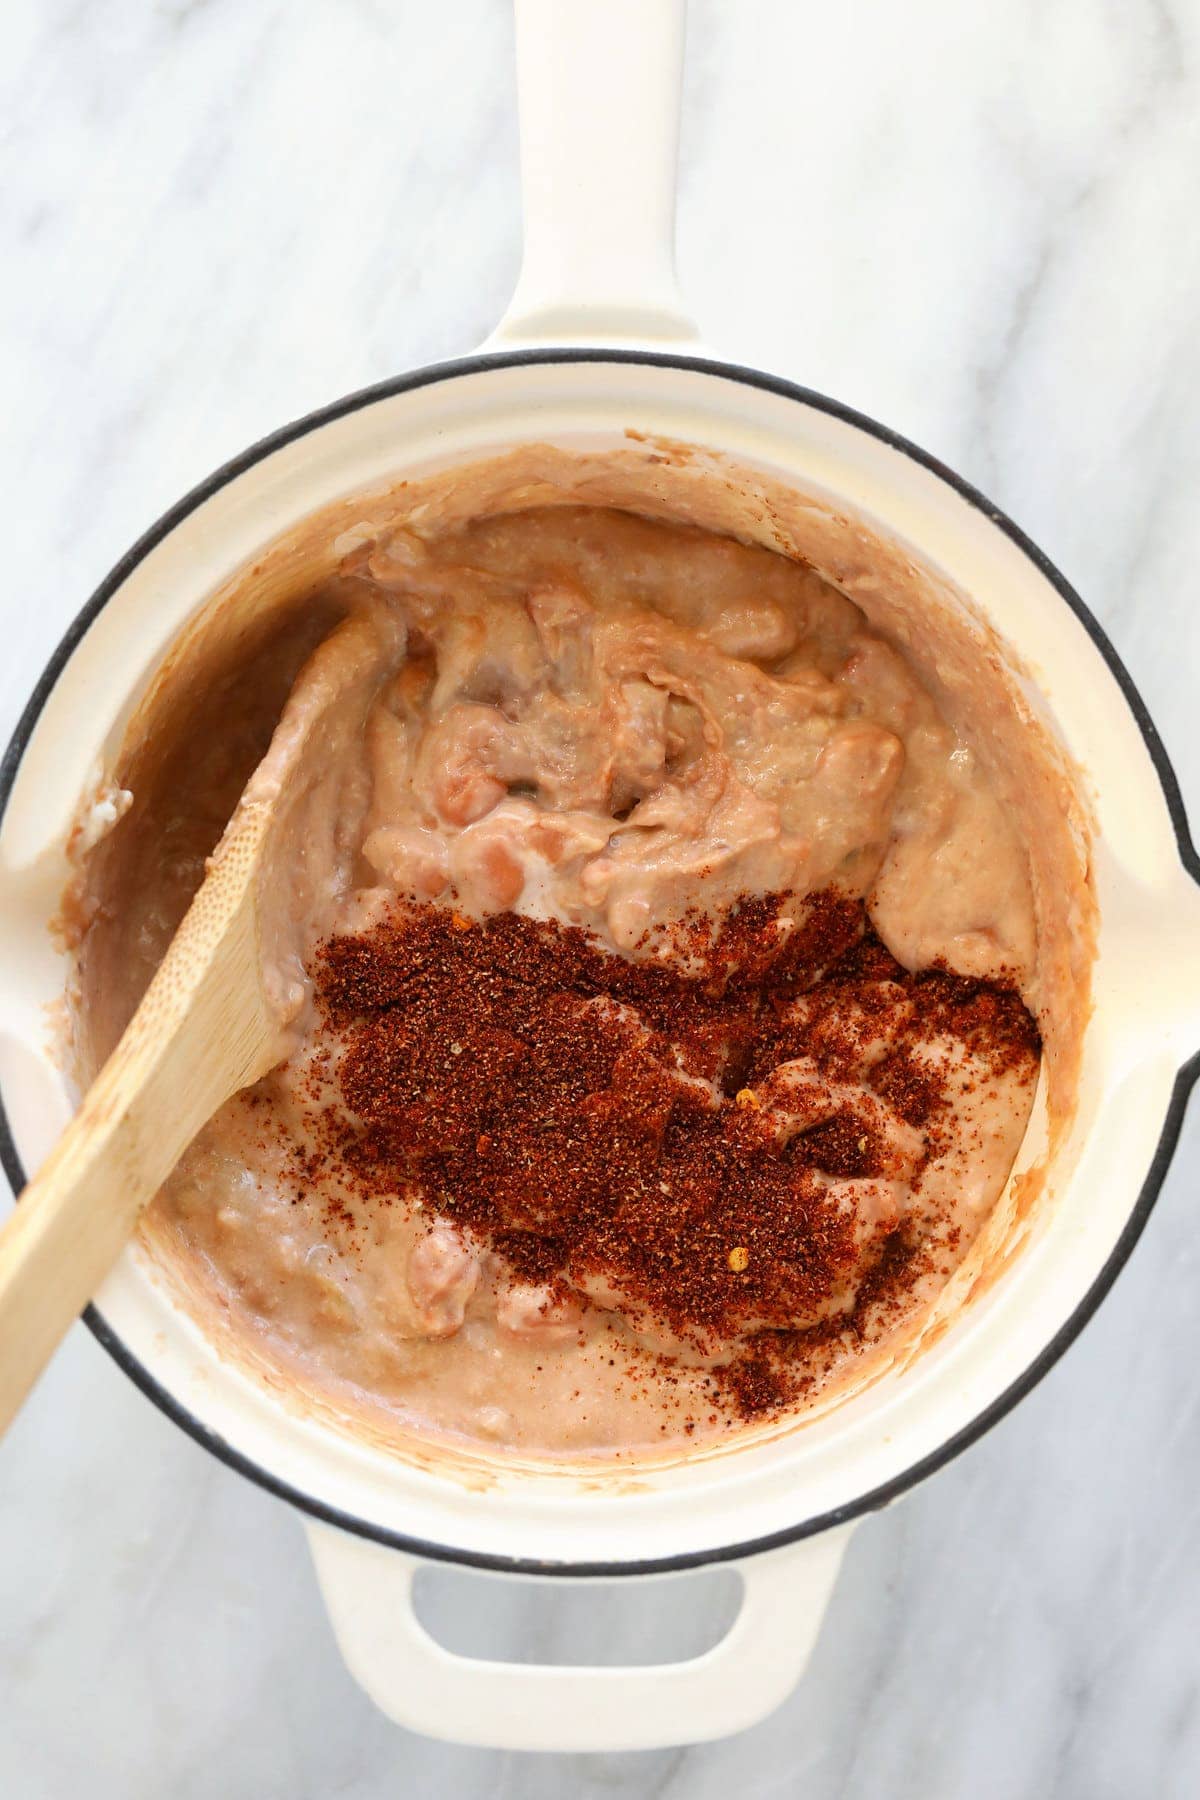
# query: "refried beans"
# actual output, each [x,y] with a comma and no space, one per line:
[660,964]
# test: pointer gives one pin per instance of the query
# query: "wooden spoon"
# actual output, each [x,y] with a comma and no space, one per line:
[213,1020]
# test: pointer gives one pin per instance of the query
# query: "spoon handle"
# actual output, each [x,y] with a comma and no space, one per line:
[199,1034]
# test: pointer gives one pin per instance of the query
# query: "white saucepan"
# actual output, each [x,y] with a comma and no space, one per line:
[599,89]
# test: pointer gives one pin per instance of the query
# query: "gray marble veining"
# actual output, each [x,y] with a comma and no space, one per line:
[976,222]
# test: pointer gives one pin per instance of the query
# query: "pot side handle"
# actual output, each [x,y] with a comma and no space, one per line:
[519,1706]
[598,89]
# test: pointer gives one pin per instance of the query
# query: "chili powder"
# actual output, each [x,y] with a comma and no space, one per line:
[595,1119]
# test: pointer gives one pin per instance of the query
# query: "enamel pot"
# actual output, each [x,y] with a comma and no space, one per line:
[595,343]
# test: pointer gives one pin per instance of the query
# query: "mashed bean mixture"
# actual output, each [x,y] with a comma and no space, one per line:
[610,724]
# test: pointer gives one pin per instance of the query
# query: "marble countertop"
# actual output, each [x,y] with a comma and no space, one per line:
[975,222]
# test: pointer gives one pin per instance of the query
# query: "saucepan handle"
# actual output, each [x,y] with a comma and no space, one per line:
[598,86]
[519,1706]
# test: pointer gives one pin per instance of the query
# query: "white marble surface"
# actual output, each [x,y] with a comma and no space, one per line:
[976,221]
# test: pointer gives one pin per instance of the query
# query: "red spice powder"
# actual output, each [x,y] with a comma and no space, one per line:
[595,1119]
